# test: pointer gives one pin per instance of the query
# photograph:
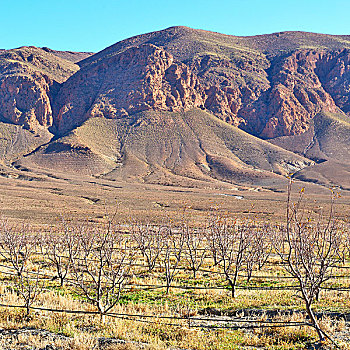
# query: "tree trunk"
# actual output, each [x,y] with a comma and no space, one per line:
[317,295]
[215,259]
[234,282]
[27,305]
[314,321]
[232,285]
[249,276]
[233,291]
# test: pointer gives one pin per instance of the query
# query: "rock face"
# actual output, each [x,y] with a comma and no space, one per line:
[25,100]
[267,95]
[270,85]
[29,78]
[139,79]
[294,97]
[334,74]
[290,90]
[228,88]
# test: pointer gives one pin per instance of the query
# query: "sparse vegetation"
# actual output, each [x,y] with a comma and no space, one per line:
[172,284]
[203,252]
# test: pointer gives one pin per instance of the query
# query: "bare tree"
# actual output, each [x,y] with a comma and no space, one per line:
[149,240]
[309,249]
[259,250]
[172,254]
[211,235]
[60,247]
[195,251]
[103,267]
[233,242]
[30,284]
[17,245]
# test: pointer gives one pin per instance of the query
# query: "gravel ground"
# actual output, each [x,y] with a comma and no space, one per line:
[39,339]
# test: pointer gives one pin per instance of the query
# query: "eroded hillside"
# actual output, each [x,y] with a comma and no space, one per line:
[186,104]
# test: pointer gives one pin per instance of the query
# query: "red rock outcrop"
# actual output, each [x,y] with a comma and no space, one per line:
[29,77]
[25,100]
[296,95]
[227,85]
[284,105]
[334,73]
[138,79]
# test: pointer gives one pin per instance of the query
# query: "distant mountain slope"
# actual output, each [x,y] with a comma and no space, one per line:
[69,55]
[185,106]
[16,142]
[37,59]
[167,148]
[328,143]
[270,85]
[29,78]
[327,138]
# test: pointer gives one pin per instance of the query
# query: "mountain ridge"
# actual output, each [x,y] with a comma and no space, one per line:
[237,83]
[282,87]
[178,29]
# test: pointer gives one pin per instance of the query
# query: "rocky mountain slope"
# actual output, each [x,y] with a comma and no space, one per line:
[184,103]
[29,79]
[270,85]
[168,148]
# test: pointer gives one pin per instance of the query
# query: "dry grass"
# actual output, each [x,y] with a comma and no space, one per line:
[61,194]
[83,330]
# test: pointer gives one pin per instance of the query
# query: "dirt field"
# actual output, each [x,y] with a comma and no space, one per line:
[42,197]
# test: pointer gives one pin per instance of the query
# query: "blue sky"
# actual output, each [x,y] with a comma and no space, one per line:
[87,25]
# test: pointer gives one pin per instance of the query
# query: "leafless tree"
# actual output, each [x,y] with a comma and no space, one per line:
[259,249]
[309,249]
[194,251]
[172,254]
[30,284]
[149,240]
[103,267]
[60,247]
[17,245]
[233,242]
[211,238]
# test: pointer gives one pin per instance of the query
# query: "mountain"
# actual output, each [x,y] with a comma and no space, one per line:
[29,80]
[183,148]
[185,106]
[269,85]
